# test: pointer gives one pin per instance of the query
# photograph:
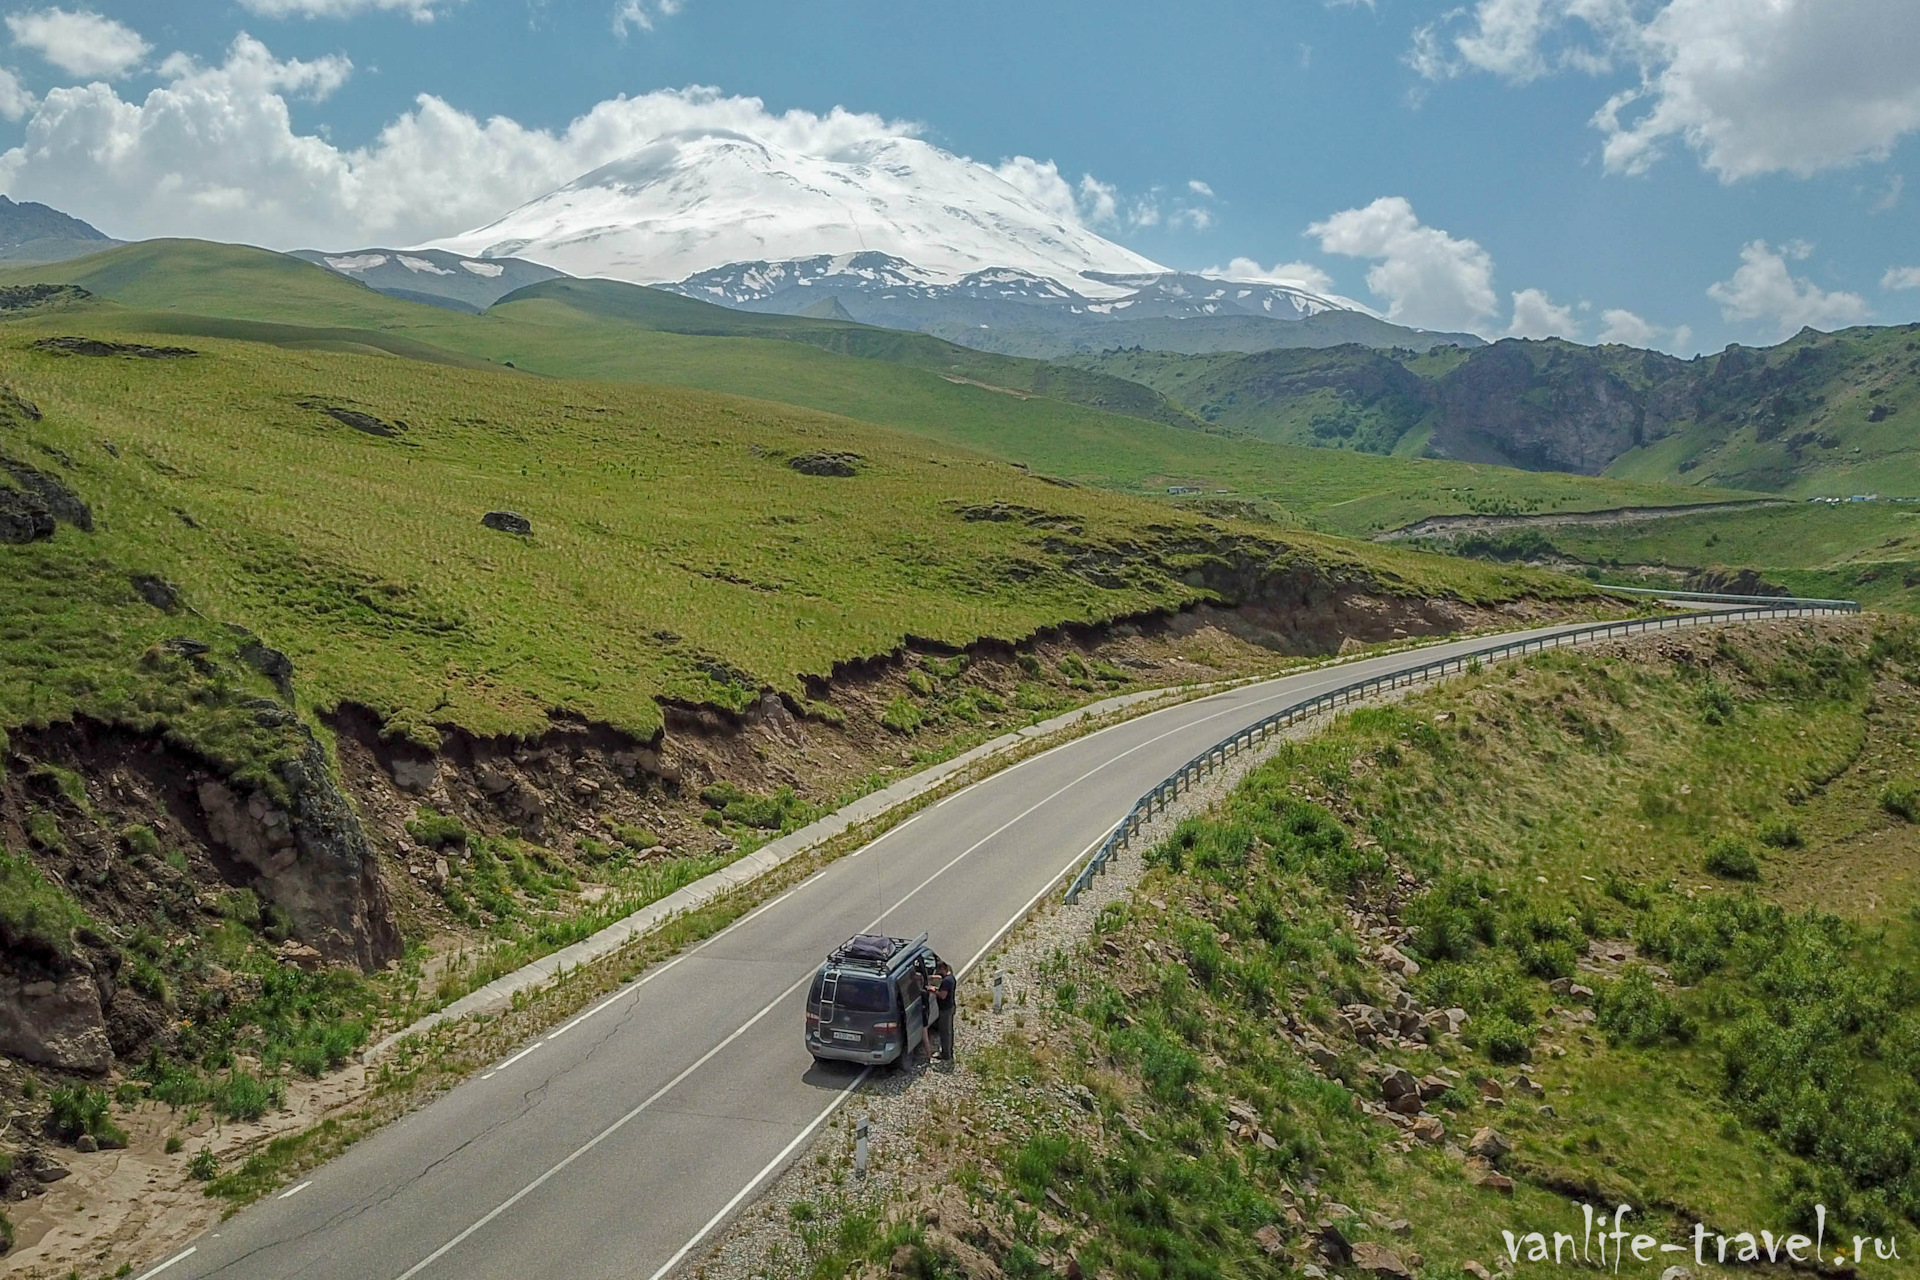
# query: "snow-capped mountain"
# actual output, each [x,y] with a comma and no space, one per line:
[689,202]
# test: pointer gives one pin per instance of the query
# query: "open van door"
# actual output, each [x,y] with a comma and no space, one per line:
[914,1001]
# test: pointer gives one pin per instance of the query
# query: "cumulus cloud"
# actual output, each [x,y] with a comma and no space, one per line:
[1618,325]
[1199,188]
[1305,275]
[642,15]
[79,42]
[418,10]
[1795,86]
[1764,291]
[15,99]
[1089,203]
[1426,277]
[213,152]
[1535,315]
[1901,278]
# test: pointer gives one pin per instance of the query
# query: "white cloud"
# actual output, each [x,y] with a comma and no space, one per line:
[212,152]
[1535,315]
[15,99]
[1619,325]
[418,10]
[1091,203]
[1763,291]
[79,42]
[1752,86]
[1197,218]
[1427,277]
[1901,278]
[1303,274]
[642,14]
[1200,188]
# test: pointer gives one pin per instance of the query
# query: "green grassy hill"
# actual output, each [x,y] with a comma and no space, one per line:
[1012,409]
[330,502]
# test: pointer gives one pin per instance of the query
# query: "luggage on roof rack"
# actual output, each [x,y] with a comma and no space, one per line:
[872,948]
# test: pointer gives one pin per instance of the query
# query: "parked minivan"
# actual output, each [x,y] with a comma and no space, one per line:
[868,1003]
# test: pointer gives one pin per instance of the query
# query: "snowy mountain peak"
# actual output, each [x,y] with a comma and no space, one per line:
[689,202]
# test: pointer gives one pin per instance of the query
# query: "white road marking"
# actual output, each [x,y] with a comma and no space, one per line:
[600,1137]
[291,1192]
[759,1177]
[186,1252]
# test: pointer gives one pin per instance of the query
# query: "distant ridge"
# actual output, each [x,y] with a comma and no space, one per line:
[32,232]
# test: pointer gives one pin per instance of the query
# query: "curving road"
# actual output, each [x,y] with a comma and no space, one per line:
[615,1144]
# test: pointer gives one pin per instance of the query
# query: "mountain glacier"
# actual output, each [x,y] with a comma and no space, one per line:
[692,201]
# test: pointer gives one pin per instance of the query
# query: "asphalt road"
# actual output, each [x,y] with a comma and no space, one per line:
[616,1144]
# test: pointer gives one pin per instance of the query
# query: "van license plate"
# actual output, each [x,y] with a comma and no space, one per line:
[846,1035]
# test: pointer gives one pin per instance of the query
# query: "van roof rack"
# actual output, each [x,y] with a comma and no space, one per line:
[871,950]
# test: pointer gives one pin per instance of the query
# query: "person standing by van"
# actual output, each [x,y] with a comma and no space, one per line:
[946,989]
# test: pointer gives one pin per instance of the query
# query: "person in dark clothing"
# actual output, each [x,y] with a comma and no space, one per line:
[947,988]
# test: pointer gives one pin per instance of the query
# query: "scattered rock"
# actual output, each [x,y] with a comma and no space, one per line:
[300,954]
[56,1022]
[1369,1256]
[71,346]
[1330,1244]
[825,463]
[86,1143]
[363,422]
[1524,1083]
[507,522]
[1676,1273]
[1407,1104]
[49,1171]
[1323,1058]
[1490,1088]
[24,517]
[60,502]
[1269,1240]
[1429,1129]
[1488,1144]
[269,662]
[1084,1096]
[1577,992]
[1475,1270]
[156,591]
[415,774]
[441,875]
[1398,1083]
[1432,1087]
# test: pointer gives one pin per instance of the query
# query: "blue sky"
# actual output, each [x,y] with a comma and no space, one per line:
[1719,206]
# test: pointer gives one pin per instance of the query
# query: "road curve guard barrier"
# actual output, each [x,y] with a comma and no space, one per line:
[1213,757]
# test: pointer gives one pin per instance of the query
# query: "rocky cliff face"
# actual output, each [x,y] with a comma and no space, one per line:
[1547,407]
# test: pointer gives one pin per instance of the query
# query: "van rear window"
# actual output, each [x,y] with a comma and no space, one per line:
[863,995]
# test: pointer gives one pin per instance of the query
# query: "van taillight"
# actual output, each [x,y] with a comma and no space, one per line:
[886,1026]
[813,1019]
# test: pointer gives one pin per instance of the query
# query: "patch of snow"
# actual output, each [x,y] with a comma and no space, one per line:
[491,270]
[358,262]
[421,264]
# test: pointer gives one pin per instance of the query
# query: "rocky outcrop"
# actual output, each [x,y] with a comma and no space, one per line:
[54,1020]
[35,503]
[507,522]
[1541,406]
[310,858]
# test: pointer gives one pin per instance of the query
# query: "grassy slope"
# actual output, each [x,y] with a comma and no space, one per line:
[1342,493]
[674,554]
[1812,431]
[1864,551]
[1505,819]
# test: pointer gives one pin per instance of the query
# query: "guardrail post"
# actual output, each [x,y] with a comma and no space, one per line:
[860,1131]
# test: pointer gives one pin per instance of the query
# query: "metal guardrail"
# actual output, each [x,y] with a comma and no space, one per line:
[1182,778]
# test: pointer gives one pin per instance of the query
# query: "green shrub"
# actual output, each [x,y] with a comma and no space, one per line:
[43,831]
[920,682]
[71,786]
[1030,663]
[1716,703]
[204,1166]
[635,838]
[34,912]
[902,716]
[1635,1011]
[1730,857]
[1499,1037]
[769,813]
[436,830]
[80,1109]
[593,850]
[140,841]
[245,1096]
[174,1143]
[1902,800]
[1780,833]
